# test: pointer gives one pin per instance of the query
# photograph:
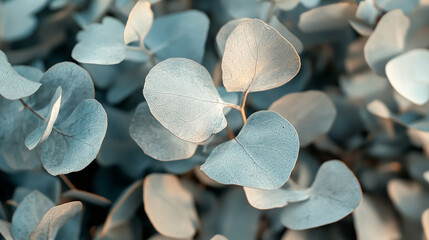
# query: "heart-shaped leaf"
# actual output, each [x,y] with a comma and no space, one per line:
[312,113]
[14,86]
[182,97]
[334,194]
[257,58]
[261,156]
[169,206]
[155,140]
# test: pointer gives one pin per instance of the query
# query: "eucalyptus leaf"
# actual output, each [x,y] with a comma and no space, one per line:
[155,140]
[408,75]
[14,86]
[139,22]
[378,50]
[182,34]
[124,208]
[277,198]
[41,133]
[312,113]
[169,206]
[28,214]
[405,6]
[54,219]
[327,18]
[218,237]
[334,194]
[257,58]
[93,13]
[182,97]
[287,5]
[425,222]
[101,43]
[17,18]
[5,230]
[261,156]
[409,198]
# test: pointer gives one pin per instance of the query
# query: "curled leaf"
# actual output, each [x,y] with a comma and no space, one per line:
[277,198]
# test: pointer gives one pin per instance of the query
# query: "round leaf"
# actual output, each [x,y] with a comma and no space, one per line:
[169,206]
[335,193]
[257,58]
[312,113]
[261,156]
[182,97]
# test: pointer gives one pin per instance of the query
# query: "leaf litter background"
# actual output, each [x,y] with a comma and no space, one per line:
[214,119]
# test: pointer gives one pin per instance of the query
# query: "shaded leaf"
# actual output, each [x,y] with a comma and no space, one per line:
[405,6]
[261,156]
[169,206]
[101,43]
[257,58]
[86,197]
[155,140]
[182,97]
[14,86]
[28,214]
[180,34]
[54,219]
[334,194]
[124,208]
[312,113]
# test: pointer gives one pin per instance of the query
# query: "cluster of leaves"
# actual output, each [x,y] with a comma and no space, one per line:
[214,119]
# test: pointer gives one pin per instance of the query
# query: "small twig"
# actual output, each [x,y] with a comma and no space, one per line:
[67,182]
[31,110]
[242,105]
[270,11]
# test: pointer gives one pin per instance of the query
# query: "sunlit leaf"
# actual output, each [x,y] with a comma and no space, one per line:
[155,140]
[334,194]
[5,230]
[14,86]
[387,40]
[182,97]
[409,198]
[374,220]
[124,208]
[218,237]
[329,17]
[261,156]
[101,43]
[425,222]
[28,214]
[312,113]
[257,58]
[54,219]
[277,198]
[169,206]
[41,133]
[408,75]
[288,35]
[139,22]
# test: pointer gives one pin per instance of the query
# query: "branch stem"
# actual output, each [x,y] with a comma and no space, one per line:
[270,11]
[67,182]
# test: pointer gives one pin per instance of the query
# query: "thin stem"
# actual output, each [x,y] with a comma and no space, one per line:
[148,53]
[236,107]
[230,133]
[243,104]
[67,182]
[270,11]
[31,110]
